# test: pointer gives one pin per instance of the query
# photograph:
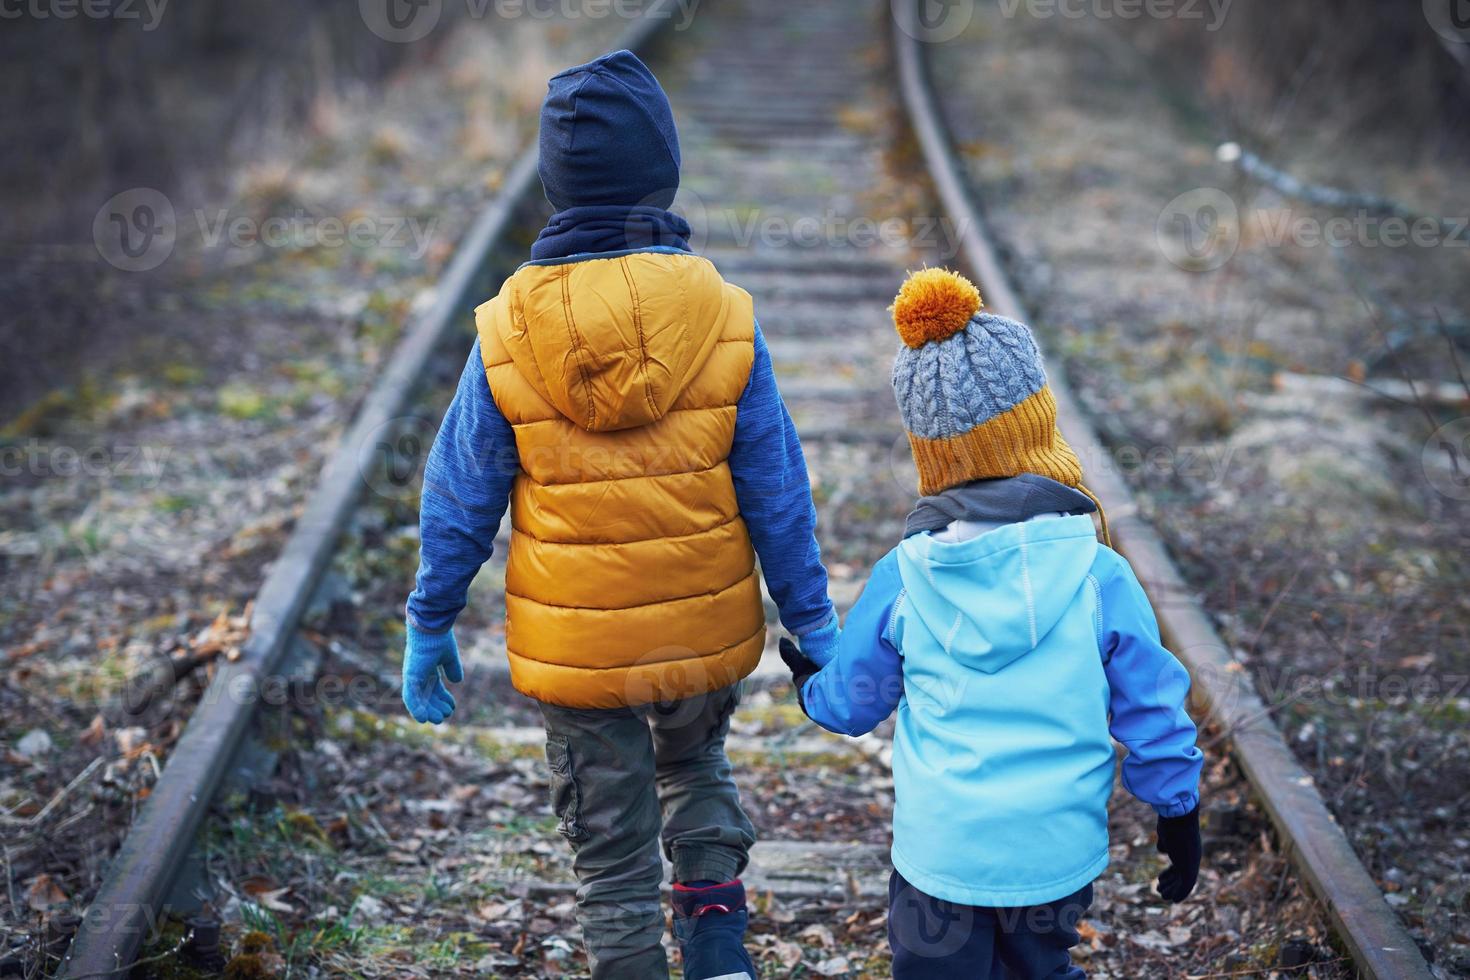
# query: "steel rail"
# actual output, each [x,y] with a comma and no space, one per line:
[1380,946]
[126,910]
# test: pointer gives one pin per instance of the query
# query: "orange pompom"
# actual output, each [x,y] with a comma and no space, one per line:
[933,304]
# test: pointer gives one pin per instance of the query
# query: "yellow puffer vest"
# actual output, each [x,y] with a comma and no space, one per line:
[631,577]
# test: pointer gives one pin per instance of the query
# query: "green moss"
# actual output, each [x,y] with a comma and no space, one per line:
[300,826]
[51,412]
[176,503]
[777,715]
[241,401]
[491,748]
[182,375]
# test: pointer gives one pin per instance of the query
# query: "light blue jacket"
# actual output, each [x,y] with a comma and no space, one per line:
[1012,657]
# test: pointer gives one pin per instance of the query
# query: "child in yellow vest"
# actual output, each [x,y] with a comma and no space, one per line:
[620,402]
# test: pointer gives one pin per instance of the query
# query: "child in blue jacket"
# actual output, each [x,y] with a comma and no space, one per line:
[1015,648]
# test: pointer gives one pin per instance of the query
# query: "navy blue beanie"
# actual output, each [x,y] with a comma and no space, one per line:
[608,137]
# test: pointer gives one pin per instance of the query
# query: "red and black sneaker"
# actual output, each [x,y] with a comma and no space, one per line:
[709,923]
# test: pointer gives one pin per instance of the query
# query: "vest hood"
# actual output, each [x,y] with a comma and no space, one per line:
[611,342]
[992,599]
[608,136]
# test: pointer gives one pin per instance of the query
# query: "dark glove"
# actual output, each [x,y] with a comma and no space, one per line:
[801,666]
[1179,839]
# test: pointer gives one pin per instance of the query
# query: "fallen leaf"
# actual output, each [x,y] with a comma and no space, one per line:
[33,743]
[44,892]
[833,966]
[275,900]
[818,934]
[787,954]
[95,732]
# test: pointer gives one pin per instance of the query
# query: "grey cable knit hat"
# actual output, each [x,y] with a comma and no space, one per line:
[972,390]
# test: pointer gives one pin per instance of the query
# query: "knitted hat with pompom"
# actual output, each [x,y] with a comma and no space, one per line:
[971,389]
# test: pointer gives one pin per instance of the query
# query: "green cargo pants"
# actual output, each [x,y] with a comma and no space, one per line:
[621,779]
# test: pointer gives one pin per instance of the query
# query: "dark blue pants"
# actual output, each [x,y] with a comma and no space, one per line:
[937,940]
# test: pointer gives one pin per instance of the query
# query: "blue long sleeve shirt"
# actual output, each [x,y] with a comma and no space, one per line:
[472,467]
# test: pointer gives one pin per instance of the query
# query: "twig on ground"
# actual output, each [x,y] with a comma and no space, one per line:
[1284,183]
[1275,604]
[1444,331]
[1402,392]
[9,876]
[1403,369]
[56,799]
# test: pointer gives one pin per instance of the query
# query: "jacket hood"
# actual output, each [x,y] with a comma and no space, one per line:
[611,342]
[992,599]
[607,136]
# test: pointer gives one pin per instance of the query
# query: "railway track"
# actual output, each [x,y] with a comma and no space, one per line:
[762,157]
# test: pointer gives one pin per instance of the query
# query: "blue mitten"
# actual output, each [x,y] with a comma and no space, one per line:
[820,645]
[424,693]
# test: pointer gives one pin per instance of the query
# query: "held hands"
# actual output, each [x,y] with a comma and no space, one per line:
[801,668]
[1179,839]
[817,648]
[798,663]
[424,693]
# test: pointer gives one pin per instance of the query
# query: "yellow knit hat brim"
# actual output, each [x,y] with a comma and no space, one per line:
[1022,439]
